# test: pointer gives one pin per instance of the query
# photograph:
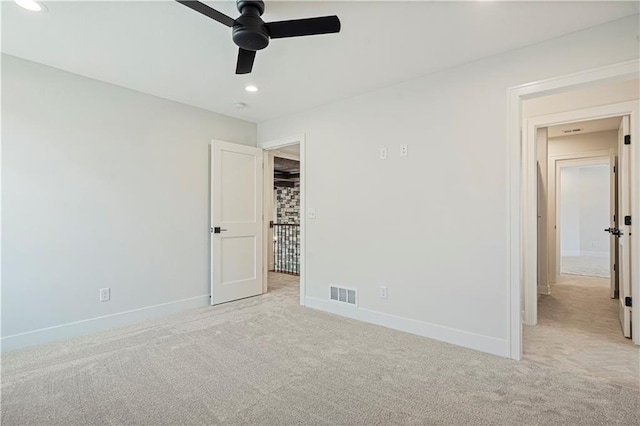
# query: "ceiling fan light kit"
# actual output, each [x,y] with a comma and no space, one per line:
[250,33]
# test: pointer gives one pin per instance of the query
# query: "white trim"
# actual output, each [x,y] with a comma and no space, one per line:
[282,142]
[273,145]
[552,211]
[518,168]
[281,154]
[91,325]
[454,336]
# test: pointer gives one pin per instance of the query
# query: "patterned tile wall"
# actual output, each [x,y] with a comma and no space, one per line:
[288,205]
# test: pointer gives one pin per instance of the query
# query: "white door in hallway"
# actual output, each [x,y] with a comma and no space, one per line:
[236,221]
[613,224]
[624,240]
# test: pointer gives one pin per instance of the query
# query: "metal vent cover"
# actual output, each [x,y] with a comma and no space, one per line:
[343,295]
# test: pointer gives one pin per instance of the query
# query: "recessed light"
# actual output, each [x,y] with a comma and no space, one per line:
[251,89]
[32,5]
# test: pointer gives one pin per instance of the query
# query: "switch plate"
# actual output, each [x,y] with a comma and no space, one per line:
[311,213]
[105,294]
[383,292]
[383,153]
[404,150]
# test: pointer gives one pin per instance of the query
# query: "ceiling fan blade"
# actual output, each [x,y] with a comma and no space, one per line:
[208,11]
[303,27]
[245,61]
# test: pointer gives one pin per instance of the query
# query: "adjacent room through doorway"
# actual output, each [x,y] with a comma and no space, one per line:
[584,209]
[283,235]
[580,323]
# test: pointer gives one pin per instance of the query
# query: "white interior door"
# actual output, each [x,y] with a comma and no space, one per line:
[543,272]
[236,221]
[624,240]
[613,224]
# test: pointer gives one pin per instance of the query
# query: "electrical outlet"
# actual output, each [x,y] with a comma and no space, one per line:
[383,292]
[383,153]
[105,294]
[404,150]
[311,213]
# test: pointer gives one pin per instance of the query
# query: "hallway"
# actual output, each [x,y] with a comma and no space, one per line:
[578,331]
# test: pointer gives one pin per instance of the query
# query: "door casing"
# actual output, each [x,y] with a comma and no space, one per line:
[521,229]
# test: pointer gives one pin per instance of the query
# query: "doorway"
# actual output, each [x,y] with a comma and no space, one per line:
[578,326]
[284,222]
[583,209]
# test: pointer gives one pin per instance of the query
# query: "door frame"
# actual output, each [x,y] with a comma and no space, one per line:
[521,229]
[601,160]
[268,180]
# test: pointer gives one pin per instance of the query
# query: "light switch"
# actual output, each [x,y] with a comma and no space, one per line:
[311,213]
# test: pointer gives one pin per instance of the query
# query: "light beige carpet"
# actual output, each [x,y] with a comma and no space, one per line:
[590,266]
[578,330]
[266,360]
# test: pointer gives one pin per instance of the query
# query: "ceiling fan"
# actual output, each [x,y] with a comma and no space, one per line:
[250,33]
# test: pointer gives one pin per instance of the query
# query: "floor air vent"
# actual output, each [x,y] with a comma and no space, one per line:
[344,295]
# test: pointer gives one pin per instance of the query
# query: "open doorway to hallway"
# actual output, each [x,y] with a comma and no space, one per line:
[581,322]
[583,207]
[284,251]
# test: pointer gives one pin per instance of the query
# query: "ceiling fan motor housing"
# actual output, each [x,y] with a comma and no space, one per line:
[249,31]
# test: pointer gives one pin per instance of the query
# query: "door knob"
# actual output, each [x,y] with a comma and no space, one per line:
[609,230]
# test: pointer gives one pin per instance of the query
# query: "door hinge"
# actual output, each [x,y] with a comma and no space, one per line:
[614,267]
[627,139]
[627,301]
[627,220]
[614,169]
[211,230]
[614,217]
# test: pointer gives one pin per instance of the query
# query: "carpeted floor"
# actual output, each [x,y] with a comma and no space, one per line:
[578,330]
[590,266]
[267,360]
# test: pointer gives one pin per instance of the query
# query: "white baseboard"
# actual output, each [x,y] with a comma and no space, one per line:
[90,325]
[454,336]
[544,289]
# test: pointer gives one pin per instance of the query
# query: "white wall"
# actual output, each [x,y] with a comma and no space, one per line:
[432,226]
[101,187]
[575,144]
[594,210]
[570,211]
[584,210]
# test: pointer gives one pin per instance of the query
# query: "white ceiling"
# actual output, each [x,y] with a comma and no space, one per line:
[165,49]
[591,126]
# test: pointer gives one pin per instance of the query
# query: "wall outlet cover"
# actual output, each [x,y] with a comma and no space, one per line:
[383,153]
